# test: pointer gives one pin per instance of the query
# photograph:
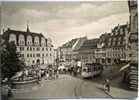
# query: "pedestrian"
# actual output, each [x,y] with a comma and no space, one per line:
[57,73]
[47,74]
[107,85]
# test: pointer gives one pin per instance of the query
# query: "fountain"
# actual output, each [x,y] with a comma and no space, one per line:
[25,79]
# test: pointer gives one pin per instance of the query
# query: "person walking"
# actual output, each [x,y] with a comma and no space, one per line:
[107,85]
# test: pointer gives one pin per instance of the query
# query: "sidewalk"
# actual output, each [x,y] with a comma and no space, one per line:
[91,89]
[120,93]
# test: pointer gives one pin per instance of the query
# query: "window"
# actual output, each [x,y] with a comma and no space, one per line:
[21,48]
[30,48]
[109,60]
[114,39]
[119,42]
[50,54]
[121,31]
[27,55]
[27,48]
[42,55]
[109,43]
[42,49]
[46,54]
[33,55]
[103,60]
[116,32]
[38,48]
[94,68]
[46,49]
[113,43]
[22,55]
[50,49]
[38,55]
[33,49]
[30,55]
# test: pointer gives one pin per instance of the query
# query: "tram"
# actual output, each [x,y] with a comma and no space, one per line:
[91,69]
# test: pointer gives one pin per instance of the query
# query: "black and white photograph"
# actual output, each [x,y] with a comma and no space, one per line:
[69,50]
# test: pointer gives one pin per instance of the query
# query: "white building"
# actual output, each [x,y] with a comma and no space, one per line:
[33,47]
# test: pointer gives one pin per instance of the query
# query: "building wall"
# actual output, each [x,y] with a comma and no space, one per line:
[87,56]
[32,52]
[133,39]
[116,44]
[66,55]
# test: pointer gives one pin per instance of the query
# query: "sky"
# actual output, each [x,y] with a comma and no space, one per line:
[63,21]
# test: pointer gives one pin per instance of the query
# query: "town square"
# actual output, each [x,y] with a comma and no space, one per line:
[69,50]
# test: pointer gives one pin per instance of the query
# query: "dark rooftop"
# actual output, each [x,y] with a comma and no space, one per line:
[24,32]
[69,44]
[89,44]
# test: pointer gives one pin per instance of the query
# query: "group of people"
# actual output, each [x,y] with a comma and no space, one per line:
[74,71]
[47,74]
[51,74]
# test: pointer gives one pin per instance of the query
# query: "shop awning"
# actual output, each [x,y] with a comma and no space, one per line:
[124,67]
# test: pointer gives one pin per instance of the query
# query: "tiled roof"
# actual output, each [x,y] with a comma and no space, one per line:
[69,44]
[89,44]
[25,33]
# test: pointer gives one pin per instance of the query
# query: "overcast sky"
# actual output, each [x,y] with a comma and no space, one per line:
[63,21]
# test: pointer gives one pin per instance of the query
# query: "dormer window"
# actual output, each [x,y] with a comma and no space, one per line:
[121,31]
[29,40]
[21,39]
[12,38]
[36,41]
[116,32]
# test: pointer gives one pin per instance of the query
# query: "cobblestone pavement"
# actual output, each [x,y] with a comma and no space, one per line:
[65,86]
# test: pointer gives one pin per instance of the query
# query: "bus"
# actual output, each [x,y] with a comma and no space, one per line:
[89,70]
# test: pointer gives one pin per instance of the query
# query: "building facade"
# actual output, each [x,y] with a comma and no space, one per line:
[100,53]
[66,51]
[116,44]
[133,38]
[34,48]
[86,52]
[132,71]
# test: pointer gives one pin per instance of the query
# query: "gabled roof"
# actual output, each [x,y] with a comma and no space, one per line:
[69,44]
[119,27]
[89,44]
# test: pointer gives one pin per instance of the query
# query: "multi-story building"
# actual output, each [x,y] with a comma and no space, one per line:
[133,35]
[33,47]
[77,46]
[132,71]
[66,51]
[116,44]
[86,52]
[100,53]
